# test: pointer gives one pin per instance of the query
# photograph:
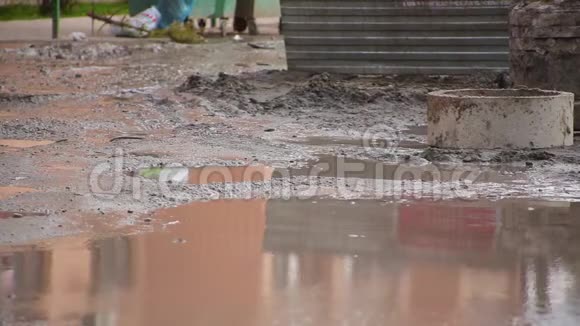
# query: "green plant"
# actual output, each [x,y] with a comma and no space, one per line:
[184,33]
[66,6]
[78,9]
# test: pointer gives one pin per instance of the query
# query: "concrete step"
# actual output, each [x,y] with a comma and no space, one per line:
[370,11]
[397,41]
[397,56]
[408,26]
[396,68]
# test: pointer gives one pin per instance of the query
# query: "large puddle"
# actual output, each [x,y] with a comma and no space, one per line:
[315,262]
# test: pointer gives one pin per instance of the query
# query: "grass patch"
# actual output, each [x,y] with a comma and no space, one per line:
[25,12]
[16,12]
[81,9]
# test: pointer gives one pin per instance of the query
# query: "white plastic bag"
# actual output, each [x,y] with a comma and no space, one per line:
[145,20]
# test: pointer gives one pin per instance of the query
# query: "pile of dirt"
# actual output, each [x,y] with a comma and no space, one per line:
[227,94]
[326,101]
[195,84]
[319,91]
[521,155]
[324,90]
[224,85]
[432,154]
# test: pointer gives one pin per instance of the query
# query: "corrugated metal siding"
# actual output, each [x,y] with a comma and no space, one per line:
[396,36]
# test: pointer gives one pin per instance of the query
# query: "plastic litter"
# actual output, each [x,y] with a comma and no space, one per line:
[143,22]
[161,16]
[78,36]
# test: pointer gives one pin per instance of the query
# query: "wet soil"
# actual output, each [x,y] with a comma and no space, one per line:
[192,185]
[170,105]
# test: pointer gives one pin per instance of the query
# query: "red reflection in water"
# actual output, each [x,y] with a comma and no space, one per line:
[444,227]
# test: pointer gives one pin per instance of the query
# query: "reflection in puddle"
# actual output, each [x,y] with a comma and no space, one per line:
[322,262]
[209,174]
[22,143]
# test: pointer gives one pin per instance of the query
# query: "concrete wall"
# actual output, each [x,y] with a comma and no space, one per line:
[545,47]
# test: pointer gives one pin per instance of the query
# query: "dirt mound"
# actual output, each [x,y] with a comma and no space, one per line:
[224,84]
[323,88]
[432,154]
[319,91]
[195,83]
[333,100]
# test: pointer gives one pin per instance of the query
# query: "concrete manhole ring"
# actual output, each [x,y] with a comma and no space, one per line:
[500,118]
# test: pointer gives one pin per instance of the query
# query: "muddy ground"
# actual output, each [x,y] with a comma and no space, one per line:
[113,205]
[111,108]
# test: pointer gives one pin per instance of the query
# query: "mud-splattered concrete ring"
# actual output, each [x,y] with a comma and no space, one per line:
[500,118]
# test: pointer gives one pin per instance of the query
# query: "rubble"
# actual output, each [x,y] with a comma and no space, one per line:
[86,50]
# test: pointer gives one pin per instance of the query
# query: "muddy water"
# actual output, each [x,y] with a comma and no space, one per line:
[11,191]
[316,262]
[209,174]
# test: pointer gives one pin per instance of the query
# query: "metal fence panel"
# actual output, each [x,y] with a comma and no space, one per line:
[396,36]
